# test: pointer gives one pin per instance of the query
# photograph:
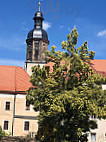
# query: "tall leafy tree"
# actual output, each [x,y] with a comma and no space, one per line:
[67,94]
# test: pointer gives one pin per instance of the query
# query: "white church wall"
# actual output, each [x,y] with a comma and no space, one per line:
[29,65]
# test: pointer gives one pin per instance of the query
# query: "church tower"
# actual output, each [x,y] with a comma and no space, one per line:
[37,43]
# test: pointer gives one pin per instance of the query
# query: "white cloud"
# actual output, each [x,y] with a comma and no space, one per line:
[14,42]
[46,25]
[102,33]
[12,62]
[61,27]
[75,26]
[24,27]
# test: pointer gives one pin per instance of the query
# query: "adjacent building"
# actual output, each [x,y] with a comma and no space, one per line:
[99,134]
[17,117]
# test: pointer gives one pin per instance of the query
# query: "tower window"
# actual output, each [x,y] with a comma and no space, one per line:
[30,49]
[38,22]
[30,52]
[36,50]
[36,45]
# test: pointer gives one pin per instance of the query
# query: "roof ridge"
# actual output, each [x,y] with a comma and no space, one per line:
[10,66]
[100,59]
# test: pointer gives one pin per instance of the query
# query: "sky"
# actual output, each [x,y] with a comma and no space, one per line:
[16,20]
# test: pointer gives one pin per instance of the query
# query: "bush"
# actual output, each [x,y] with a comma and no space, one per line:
[2,133]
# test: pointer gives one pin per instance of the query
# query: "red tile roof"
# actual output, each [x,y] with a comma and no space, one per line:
[99,66]
[14,79]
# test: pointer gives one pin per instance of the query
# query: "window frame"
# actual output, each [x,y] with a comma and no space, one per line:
[91,137]
[6,106]
[24,126]
[26,106]
[4,123]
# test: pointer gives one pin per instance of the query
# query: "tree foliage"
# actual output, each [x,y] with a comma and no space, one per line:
[68,95]
[2,133]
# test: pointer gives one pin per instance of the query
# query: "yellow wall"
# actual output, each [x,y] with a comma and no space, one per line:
[100,131]
[5,114]
[19,127]
[21,115]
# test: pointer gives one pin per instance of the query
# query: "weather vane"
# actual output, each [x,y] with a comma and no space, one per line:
[40,4]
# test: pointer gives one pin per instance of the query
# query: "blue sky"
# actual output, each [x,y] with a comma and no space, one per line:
[16,19]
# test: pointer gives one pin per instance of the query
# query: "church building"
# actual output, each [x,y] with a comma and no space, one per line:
[16,115]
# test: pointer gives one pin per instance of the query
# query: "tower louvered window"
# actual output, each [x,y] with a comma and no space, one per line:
[36,50]
[30,51]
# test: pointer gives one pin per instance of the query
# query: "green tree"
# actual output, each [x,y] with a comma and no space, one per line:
[68,95]
[2,133]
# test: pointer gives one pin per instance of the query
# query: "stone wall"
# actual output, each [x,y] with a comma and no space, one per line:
[16,139]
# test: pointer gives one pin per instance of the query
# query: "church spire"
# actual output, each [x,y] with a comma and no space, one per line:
[38,19]
[39,5]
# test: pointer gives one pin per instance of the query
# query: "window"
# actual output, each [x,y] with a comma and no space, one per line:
[93,117]
[36,46]
[93,137]
[27,106]
[26,125]
[7,105]
[29,50]
[5,125]
[36,50]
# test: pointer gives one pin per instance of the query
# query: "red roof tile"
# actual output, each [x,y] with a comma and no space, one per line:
[98,65]
[14,79]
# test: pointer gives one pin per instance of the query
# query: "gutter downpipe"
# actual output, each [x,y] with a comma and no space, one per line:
[14,106]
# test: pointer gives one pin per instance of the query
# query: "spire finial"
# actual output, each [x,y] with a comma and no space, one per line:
[39,5]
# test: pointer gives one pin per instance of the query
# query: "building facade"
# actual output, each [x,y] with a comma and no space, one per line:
[99,134]
[17,117]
